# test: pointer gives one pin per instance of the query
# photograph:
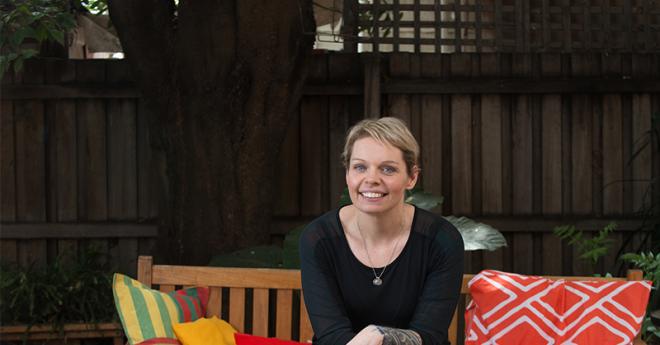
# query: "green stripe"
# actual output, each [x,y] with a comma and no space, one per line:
[141,308]
[162,308]
[191,306]
[194,293]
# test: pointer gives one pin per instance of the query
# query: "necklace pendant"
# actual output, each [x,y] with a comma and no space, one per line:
[377,281]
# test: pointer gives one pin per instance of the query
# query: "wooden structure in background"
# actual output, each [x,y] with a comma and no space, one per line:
[523,26]
[521,141]
[75,171]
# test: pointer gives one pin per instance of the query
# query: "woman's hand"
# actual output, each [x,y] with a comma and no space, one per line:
[369,335]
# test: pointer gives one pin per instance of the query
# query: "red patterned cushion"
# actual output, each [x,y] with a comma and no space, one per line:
[247,339]
[508,308]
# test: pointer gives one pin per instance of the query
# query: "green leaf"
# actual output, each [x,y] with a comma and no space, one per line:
[259,256]
[41,33]
[423,200]
[28,53]
[477,235]
[18,65]
[21,34]
[57,35]
[345,198]
[290,251]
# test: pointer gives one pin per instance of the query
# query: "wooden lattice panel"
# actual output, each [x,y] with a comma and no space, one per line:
[508,25]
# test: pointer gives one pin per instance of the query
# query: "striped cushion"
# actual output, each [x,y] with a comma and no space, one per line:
[149,314]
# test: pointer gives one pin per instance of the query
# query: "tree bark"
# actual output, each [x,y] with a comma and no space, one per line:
[221,79]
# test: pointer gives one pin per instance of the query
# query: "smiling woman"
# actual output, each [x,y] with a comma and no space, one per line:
[380,271]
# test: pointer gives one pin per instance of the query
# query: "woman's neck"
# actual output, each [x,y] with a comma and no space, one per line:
[382,226]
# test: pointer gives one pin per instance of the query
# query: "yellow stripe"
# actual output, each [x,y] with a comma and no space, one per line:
[171,309]
[154,313]
[129,314]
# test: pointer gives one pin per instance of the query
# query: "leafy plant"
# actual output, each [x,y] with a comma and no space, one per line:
[57,293]
[647,262]
[591,249]
[476,236]
[259,256]
[650,264]
[95,6]
[24,25]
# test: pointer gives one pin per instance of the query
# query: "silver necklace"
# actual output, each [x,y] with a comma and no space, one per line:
[377,277]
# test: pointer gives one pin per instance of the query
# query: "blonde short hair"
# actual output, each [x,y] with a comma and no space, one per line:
[386,130]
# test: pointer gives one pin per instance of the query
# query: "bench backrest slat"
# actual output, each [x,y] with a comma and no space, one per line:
[286,283]
[284,314]
[237,308]
[214,306]
[260,316]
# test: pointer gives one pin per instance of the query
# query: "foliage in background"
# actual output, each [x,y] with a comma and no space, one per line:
[476,236]
[591,249]
[58,293]
[95,6]
[647,262]
[25,25]
[650,264]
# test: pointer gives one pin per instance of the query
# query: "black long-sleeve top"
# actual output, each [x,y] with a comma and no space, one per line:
[420,287]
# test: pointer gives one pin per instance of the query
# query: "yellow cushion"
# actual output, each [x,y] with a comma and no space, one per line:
[205,331]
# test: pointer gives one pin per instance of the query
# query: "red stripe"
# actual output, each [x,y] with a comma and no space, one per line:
[203,293]
[184,307]
[157,341]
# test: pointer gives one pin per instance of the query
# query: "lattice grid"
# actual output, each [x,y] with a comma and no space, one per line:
[508,25]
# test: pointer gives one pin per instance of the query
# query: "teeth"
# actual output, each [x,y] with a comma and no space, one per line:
[372,195]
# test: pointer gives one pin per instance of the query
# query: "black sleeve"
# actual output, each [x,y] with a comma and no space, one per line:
[321,292]
[442,287]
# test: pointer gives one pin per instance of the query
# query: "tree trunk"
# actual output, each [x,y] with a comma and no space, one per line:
[221,79]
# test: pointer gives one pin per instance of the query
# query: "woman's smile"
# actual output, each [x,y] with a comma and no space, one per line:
[372,195]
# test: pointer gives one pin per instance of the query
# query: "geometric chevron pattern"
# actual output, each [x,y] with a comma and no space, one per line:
[509,308]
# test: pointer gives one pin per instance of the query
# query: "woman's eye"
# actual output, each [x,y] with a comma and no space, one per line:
[389,170]
[359,168]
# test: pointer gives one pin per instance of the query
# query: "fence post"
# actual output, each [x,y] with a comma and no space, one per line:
[349,26]
[372,86]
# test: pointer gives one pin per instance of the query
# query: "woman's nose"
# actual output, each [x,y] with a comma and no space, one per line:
[372,176]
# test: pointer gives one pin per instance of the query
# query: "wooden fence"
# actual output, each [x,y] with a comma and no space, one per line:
[521,141]
[76,169]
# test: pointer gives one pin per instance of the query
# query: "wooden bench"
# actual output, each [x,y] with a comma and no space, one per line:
[268,287]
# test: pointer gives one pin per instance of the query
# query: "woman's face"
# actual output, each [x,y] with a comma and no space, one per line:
[377,176]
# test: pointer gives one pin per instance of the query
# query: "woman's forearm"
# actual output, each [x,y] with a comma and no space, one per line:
[397,336]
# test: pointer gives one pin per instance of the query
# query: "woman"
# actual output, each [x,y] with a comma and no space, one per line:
[380,271]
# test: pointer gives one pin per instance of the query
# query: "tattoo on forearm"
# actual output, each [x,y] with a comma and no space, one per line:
[397,336]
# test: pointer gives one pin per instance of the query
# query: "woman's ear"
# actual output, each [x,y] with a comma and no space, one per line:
[413,178]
